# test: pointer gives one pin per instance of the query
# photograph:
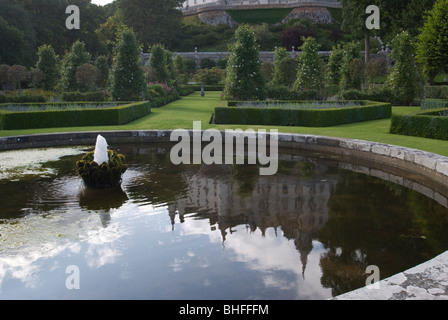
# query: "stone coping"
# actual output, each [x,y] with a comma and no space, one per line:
[424,162]
[420,170]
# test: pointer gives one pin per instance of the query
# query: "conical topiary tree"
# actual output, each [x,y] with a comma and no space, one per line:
[127,79]
[48,63]
[309,72]
[76,57]
[244,80]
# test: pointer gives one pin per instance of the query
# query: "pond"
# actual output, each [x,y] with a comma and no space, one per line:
[205,231]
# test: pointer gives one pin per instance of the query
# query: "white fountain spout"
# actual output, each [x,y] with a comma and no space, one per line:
[100,155]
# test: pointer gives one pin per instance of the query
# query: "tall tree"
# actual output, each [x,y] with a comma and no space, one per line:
[153,21]
[432,43]
[128,80]
[48,63]
[70,64]
[403,77]
[354,17]
[309,73]
[244,79]
[395,16]
[17,34]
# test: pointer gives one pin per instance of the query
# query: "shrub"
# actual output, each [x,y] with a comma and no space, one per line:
[207,63]
[293,36]
[284,93]
[22,98]
[94,96]
[436,92]
[434,104]
[210,76]
[379,93]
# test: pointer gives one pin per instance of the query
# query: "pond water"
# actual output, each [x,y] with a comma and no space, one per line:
[205,232]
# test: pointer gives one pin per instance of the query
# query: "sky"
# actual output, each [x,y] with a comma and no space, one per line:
[101,2]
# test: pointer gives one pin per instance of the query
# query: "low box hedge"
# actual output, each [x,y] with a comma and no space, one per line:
[433,104]
[302,117]
[72,118]
[426,124]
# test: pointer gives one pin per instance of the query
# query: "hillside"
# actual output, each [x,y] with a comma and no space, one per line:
[268,26]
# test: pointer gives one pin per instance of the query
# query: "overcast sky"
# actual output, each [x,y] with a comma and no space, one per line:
[101,2]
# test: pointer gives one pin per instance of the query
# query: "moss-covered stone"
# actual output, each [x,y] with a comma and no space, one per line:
[104,175]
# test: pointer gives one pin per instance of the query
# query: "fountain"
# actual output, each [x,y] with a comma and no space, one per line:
[101,168]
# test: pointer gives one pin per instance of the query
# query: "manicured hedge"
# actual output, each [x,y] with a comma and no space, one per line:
[428,124]
[302,117]
[433,104]
[72,118]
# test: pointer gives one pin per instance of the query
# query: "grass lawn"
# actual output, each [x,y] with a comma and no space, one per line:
[181,114]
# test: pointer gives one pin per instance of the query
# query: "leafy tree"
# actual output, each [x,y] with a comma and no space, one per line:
[11,43]
[350,53]
[309,72]
[109,31]
[284,68]
[293,36]
[354,17]
[70,64]
[4,68]
[169,60]
[158,61]
[244,79]
[48,63]
[36,77]
[395,16]
[179,64]
[103,66]
[280,54]
[153,21]
[334,65]
[432,43]
[403,78]
[127,75]
[211,76]
[17,34]
[18,74]
[87,77]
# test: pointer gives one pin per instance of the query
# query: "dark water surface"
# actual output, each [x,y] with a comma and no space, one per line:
[206,232]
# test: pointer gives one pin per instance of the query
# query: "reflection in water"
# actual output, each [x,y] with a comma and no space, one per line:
[211,232]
